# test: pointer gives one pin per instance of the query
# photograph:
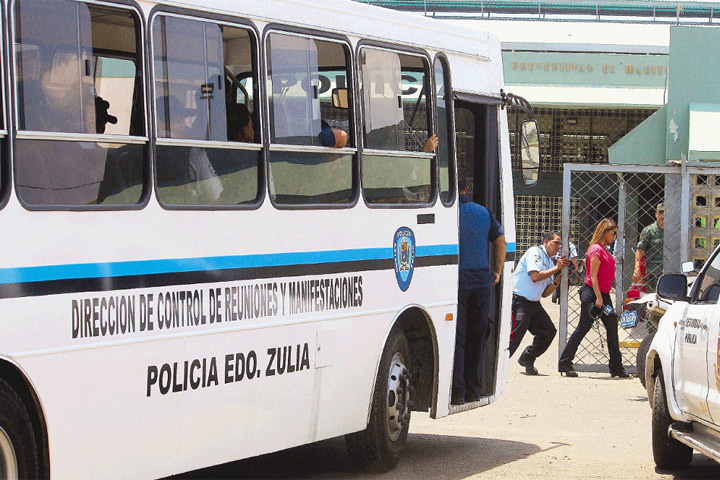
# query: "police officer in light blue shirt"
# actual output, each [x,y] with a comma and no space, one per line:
[536,276]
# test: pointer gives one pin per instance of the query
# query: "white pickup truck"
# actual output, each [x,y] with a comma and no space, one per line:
[682,369]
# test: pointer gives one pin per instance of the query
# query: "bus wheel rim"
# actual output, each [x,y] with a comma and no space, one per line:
[397,396]
[8,461]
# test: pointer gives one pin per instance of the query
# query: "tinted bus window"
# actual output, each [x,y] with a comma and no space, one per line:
[201,94]
[445,139]
[78,72]
[394,88]
[315,166]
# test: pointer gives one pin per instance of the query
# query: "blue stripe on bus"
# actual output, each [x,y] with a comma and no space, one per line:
[511,247]
[150,267]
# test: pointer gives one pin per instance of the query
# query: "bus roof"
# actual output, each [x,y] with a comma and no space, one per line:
[355,19]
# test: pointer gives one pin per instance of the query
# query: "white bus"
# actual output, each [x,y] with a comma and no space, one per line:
[222,236]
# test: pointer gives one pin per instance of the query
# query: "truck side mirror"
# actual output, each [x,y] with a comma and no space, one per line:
[673,286]
[530,152]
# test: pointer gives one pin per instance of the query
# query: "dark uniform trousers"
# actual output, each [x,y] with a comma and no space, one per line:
[531,316]
[470,341]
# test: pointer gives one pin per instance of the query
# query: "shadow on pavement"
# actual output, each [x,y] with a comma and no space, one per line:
[425,456]
[701,468]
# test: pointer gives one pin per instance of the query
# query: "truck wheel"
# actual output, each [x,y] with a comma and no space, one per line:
[642,354]
[668,453]
[18,450]
[377,448]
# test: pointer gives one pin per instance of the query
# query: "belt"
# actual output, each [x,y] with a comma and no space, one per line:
[523,299]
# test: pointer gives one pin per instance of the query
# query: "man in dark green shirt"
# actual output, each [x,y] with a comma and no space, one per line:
[650,246]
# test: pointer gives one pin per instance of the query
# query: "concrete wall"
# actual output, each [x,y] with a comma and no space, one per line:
[694,69]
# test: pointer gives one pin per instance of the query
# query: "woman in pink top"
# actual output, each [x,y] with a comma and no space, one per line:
[594,296]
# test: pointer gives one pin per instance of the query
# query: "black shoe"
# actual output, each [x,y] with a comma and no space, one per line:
[457,400]
[569,372]
[473,398]
[529,366]
[622,374]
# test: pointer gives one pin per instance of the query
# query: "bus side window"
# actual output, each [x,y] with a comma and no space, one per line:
[397,116]
[446,140]
[303,73]
[198,70]
[61,82]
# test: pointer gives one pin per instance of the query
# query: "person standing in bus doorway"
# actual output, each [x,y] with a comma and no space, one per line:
[650,246]
[536,276]
[478,226]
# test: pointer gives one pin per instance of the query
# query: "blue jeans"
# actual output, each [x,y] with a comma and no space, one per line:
[470,341]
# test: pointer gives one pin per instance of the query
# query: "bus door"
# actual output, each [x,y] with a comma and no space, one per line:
[476,131]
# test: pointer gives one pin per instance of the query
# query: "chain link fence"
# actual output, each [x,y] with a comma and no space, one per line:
[567,135]
[629,195]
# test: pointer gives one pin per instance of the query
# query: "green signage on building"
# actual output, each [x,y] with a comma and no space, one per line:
[585,69]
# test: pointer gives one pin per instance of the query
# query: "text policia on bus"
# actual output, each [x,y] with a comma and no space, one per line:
[232,228]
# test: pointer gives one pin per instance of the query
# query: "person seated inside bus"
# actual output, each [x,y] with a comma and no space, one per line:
[236,166]
[55,172]
[102,117]
[114,177]
[121,172]
[33,107]
[185,166]
[240,126]
[331,136]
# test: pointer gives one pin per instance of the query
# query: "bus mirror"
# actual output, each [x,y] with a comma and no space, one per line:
[340,98]
[530,152]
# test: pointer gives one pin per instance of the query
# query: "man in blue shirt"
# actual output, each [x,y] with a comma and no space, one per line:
[478,226]
[536,276]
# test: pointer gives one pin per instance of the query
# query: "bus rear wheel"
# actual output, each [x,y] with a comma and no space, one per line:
[377,448]
[18,449]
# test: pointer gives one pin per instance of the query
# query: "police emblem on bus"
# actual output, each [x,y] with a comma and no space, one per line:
[404,256]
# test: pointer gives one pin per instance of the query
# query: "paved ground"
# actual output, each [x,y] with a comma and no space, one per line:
[592,427]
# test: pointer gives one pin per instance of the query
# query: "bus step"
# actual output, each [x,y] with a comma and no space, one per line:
[469,406]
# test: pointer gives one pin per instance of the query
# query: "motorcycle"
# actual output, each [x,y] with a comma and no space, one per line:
[647,311]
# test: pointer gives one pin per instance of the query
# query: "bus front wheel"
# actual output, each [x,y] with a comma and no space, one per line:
[18,449]
[377,448]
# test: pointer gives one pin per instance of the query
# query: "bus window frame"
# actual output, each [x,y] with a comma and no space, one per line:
[407,50]
[5,139]
[258,92]
[450,106]
[16,134]
[353,115]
